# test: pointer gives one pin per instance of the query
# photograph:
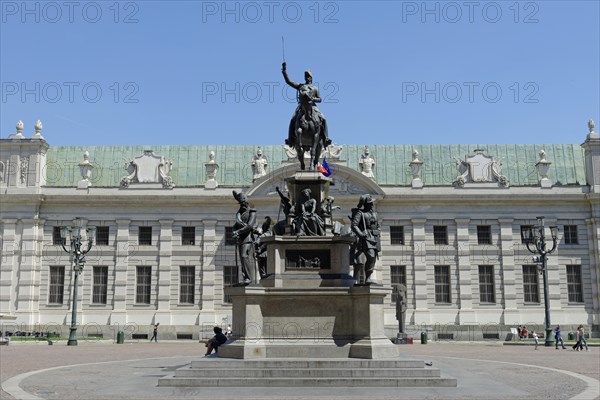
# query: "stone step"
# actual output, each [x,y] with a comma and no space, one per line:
[307,382]
[308,373]
[226,363]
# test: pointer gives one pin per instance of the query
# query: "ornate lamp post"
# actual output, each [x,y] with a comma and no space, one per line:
[78,262]
[535,236]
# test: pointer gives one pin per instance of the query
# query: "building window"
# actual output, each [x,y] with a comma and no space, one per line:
[571,234]
[397,277]
[188,235]
[145,235]
[57,240]
[484,234]
[229,240]
[187,284]
[531,290]
[230,278]
[100,285]
[397,235]
[440,234]
[143,280]
[525,228]
[574,284]
[57,285]
[102,236]
[486,284]
[442,283]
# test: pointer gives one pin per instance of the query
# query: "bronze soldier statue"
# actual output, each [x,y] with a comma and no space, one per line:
[243,230]
[308,126]
[366,228]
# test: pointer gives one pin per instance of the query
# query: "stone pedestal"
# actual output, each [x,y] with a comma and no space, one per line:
[318,322]
[308,261]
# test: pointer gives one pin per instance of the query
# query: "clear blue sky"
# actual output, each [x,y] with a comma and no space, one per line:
[192,72]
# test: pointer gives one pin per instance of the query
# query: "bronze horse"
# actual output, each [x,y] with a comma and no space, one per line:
[308,127]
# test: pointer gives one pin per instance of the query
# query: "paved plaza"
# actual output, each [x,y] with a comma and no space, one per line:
[104,370]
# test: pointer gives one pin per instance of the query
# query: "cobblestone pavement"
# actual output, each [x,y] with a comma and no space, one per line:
[483,371]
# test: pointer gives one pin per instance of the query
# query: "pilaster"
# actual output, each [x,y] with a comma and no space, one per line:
[465,288]
[8,266]
[209,252]
[593,225]
[511,313]
[119,314]
[27,270]
[165,249]
[420,271]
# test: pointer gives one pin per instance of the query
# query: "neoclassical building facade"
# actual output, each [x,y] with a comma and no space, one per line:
[451,218]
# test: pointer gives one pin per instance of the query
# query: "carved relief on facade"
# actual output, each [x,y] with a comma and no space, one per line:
[24,169]
[148,168]
[479,168]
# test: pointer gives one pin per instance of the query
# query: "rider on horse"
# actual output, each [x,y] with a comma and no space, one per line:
[309,92]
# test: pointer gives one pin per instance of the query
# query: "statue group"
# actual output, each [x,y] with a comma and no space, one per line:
[307,219]
[306,216]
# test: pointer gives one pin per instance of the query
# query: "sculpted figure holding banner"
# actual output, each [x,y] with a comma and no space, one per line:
[243,229]
[366,228]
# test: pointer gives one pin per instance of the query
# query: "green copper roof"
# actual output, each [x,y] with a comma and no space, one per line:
[439,168]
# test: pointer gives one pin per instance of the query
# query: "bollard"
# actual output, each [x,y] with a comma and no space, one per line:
[120,337]
[423,337]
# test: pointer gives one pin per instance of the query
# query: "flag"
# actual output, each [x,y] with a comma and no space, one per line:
[324,168]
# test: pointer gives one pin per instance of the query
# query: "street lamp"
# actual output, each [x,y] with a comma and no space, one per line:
[535,236]
[78,262]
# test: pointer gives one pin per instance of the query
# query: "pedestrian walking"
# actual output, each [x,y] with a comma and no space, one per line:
[155,333]
[582,339]
[536,338]
[558,338]
[577,340]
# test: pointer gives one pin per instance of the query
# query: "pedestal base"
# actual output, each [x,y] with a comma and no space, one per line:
[326,322]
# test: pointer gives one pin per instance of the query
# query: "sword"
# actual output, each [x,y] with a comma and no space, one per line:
[283,48]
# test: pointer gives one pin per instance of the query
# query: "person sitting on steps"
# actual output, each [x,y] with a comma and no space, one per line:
[216,341]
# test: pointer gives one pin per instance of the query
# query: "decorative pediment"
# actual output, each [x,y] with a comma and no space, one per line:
[479,168]
[345,181]
[147,169]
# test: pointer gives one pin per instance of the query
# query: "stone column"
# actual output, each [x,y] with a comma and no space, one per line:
[465,283]
[420,268]
[119,313]
[209,252]
[593,225]
[509,291]
[165,253]
[8,266]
